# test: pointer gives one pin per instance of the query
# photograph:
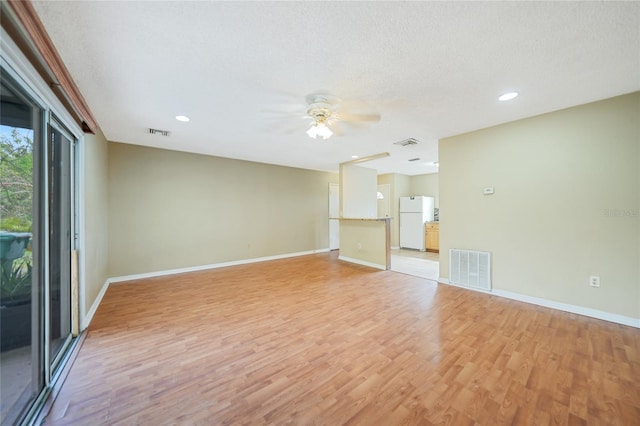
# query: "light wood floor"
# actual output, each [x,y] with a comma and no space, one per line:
[417,263]
[313,340]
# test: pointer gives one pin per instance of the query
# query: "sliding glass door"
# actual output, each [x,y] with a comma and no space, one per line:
[21,361]
[38,234]
[60,240]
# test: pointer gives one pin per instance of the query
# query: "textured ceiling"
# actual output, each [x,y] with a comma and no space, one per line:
[241,70]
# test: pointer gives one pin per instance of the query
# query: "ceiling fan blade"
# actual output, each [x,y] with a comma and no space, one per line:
[336,128]
[284,112]
[281,128]
[351,117]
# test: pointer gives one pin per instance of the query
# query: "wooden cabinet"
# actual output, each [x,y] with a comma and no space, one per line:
[432,236]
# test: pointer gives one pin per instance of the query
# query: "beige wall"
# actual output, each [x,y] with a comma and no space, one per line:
[364,241]
[96,224]
[400,187]
[426,185]
[358,189]
[566,203]
[171,210]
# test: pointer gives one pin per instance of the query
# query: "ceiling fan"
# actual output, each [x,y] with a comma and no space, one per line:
[327,110]
[321,111]
[327,113]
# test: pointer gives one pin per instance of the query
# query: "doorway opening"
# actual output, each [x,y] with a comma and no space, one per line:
[424,264]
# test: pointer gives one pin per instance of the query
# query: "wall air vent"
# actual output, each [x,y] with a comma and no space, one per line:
[410,141]
[470,268]
[159,132]
[414,159]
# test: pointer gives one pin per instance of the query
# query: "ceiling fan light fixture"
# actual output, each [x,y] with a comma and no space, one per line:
[319,129]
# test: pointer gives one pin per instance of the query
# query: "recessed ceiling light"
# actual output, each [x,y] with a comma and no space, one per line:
[355,156]
[508,96]
[182,118]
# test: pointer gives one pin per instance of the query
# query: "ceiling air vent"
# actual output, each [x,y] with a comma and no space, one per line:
[159,132]
[414,159]
[410,141]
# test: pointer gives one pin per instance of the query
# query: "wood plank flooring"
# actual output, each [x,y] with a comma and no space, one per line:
[313,340]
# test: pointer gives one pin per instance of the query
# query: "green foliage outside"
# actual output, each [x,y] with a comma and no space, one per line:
[15,224]
[16,281]
[16,184]
[16,200]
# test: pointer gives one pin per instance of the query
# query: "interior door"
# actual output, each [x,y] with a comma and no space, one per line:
[384,197]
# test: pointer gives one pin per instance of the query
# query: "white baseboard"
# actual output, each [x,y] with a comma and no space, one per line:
[446,281]
[580,310]
[212,266]
[86,320]
[362,262]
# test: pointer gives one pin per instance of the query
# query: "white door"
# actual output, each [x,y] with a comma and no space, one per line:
[384,205]
[334,211]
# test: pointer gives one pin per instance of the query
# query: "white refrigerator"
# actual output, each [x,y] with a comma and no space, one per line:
[414,212]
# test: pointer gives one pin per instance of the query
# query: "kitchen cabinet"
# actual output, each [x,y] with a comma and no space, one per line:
[432,237]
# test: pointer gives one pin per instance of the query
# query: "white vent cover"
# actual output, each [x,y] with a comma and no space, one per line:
[159,132]
[470,268]
[406,142]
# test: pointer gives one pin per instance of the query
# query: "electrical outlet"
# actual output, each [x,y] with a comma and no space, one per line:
[594,281]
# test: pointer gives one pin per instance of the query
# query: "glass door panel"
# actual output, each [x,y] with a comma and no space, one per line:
[60,233]
[21,366]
